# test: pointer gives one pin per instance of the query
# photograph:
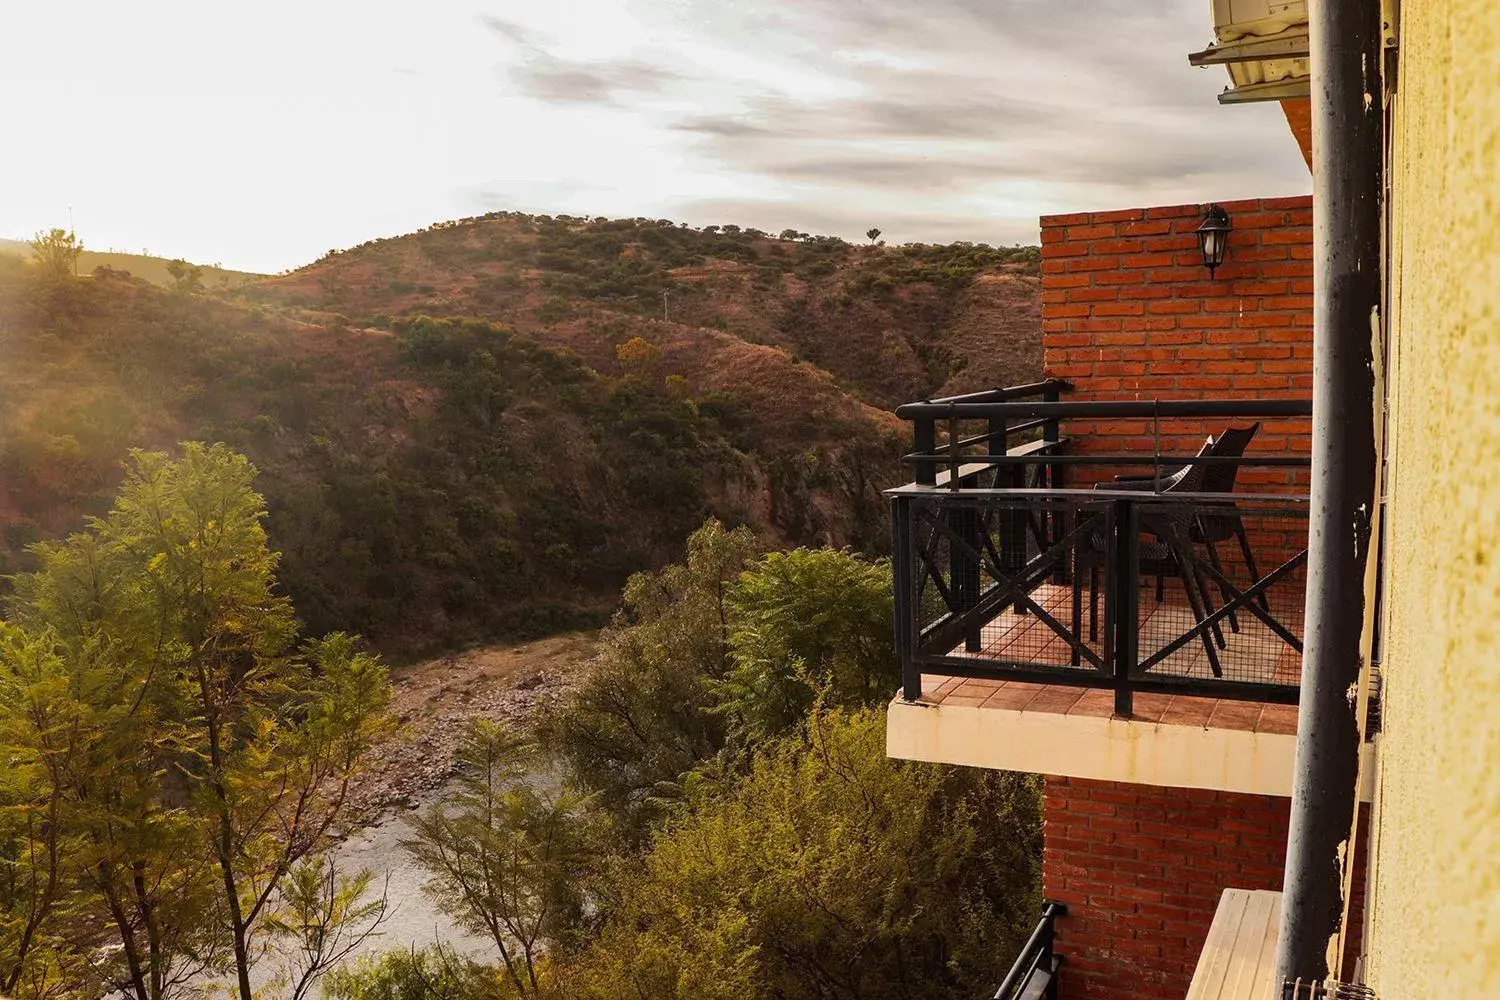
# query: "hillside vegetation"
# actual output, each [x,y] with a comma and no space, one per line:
[891,324]
[144,266]
[479,430]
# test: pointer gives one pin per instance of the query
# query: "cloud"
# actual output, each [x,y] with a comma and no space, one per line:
[934,111]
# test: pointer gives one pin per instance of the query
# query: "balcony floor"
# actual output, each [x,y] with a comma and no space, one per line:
[1253,654]
[1064,699]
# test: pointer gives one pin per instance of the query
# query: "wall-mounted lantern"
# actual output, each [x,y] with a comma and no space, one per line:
[1213,234]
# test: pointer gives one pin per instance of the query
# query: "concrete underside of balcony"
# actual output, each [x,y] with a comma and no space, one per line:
[1174,741]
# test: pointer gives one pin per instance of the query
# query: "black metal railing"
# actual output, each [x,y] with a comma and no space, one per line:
[1003,572]
[1034,974]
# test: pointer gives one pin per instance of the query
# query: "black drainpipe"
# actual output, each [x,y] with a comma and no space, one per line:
[1346,116]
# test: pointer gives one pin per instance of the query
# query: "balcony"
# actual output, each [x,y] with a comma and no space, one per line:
[1105,548]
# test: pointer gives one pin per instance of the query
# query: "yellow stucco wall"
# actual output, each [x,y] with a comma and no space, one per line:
[1435,929]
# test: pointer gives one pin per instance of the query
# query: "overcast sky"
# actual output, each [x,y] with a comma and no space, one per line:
[263,134]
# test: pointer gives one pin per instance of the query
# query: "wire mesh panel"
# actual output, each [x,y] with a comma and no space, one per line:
[1221,590]
[1003,580]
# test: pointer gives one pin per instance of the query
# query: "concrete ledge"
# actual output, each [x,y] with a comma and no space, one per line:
[1104,749]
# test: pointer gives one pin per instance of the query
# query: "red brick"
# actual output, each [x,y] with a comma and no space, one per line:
[1287,236]
[1148,260]
[1053,311]
[1119,309]
[1091,264]
[1051,251]
[1174,306]
[1076,219]
[1146,292]
[1258,220]
[1146,228]
[1116,246]
[1173,211]
[1301,201]
[1091,232]
[1119,215]
[1092,294]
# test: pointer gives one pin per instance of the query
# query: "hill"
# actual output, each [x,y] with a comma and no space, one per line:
[439,481]
[152,269]
[890,324]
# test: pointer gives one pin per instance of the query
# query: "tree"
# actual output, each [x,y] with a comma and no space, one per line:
[638,356]
[641,717]
[187,279]
[830,870]
[210,753]
[505,859]
[56,251]
[802,622]
[872,234]
[409,974]
[326,917]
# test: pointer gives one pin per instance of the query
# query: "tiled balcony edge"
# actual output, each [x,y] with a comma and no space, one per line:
[1102,748]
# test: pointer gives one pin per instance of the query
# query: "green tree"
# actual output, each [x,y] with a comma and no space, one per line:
[872,234]
[804,622]
[210,753]
[832,871]
[641,717]
[56,251]
[187,279]
[429,974]
[506,859]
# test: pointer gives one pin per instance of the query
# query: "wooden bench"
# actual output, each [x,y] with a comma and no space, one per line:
[1238,961]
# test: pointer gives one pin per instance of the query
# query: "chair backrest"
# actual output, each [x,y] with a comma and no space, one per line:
[1218,477]
[1189,478]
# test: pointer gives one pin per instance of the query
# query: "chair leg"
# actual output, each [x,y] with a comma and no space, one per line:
[1213,560]
[1208,604]
[1199,613]
[1239,533]
[1161,593]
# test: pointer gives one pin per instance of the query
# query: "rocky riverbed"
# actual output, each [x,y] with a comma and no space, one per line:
[436,699]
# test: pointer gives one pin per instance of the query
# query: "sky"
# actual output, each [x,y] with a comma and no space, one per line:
[261,135]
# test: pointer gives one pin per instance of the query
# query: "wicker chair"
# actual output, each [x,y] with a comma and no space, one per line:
[1169,549]
[1213,529]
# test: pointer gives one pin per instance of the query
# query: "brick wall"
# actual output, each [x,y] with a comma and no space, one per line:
[1129,312]
[1142,867]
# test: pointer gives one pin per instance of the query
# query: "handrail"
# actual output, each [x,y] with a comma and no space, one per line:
[935,410]
[1005,413]
[1007,393]
[1037,948]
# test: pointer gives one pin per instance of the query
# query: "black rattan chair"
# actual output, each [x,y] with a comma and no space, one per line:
[1168,552]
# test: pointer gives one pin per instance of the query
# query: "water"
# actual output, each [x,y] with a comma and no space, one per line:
[412,919]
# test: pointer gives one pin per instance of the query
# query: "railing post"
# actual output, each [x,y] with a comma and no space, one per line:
[1051,912]
[902,577]
[964,568]
[1052,435]
[1122,601]
[1058,520]
[924,442]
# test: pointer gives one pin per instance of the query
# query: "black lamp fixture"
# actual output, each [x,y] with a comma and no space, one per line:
[1213,234]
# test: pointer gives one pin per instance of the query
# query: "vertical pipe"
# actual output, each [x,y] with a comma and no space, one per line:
[1345,37]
